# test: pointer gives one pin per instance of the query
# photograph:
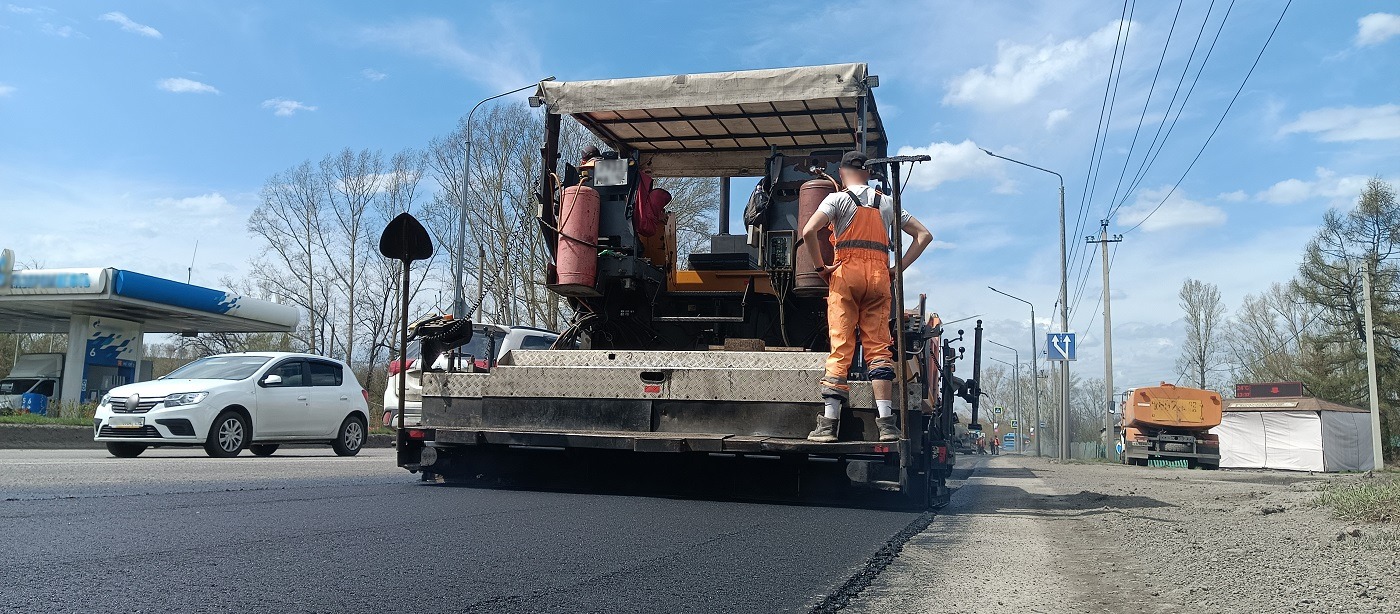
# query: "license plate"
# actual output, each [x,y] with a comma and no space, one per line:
[126,422]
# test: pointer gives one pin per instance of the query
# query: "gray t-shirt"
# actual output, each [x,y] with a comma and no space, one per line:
[841,210]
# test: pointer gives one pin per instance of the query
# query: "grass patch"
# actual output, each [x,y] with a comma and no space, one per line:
[37,419]
[1365,499]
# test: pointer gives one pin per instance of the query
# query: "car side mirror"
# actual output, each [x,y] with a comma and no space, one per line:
[271,380]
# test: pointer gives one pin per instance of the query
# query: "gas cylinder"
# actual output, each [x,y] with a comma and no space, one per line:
[809,197]
[578,236]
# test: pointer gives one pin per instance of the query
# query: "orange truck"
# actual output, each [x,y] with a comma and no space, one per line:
[1170,423]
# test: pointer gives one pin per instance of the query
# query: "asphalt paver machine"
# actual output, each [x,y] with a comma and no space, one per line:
[711,353]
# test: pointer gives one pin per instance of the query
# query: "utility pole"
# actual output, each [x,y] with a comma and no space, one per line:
[1103,240]
[1377,454]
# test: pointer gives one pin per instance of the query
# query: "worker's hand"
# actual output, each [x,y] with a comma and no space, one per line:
[826,272]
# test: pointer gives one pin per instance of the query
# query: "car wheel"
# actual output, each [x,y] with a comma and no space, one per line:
[227,436]
[350,438]
[263,449]
[126,450]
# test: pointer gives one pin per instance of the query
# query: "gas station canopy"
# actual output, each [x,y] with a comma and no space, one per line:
[47,300]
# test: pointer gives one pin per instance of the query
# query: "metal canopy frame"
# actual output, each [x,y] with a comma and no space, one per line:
[726,124]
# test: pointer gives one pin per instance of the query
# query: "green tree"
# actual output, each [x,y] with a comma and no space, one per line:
[1365,238]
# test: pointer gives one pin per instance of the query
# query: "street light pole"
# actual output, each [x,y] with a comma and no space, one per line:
[1064,307]
[1017,384]
[1035,367]
[459,268]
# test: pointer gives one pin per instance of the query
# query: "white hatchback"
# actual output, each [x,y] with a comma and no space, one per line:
[227,402]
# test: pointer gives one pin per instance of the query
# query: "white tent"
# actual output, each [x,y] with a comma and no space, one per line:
[1297,434]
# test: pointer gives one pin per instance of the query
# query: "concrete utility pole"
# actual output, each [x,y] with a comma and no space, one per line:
[1035,369]
[1103,240]
[1064,306]
[1377,453]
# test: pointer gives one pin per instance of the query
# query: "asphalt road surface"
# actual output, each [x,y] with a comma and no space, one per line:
[304,530]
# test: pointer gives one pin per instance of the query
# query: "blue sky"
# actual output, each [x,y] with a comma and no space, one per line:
[128,132]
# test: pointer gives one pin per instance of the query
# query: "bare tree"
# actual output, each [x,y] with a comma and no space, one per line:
[1201,348]
[1265,337]
[288,220]
[351,181]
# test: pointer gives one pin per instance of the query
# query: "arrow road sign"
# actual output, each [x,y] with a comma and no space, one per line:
[1059,346]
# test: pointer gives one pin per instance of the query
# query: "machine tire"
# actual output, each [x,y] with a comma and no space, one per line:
[126,450]
[228,435]
[263,449]
[350,437]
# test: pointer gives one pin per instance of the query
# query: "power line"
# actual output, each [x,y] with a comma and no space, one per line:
[1147,162]
[1100,132]
[1142,116]
[1213,131]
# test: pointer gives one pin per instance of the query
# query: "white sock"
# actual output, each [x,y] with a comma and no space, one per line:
[833,408]
[885,407]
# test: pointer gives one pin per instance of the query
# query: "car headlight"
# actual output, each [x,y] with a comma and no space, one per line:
[106,400]
[184,398]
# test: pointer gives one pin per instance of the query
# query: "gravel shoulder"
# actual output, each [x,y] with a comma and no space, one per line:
[1026,534]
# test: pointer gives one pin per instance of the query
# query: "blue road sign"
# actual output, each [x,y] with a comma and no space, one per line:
[1059,346]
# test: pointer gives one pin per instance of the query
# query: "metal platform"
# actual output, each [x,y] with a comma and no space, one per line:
[660,442]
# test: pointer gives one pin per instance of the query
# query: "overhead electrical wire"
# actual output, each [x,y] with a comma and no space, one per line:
[1100,133]
[1213,131]
[1145,104]
[1151,159]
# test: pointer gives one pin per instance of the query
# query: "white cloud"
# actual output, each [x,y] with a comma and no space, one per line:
[1021,71]
[373,75]
[1328,185]
[951,162]
[1176,211]
[212,203]
[21,10]
[1055,117]
[180,85]
[1335,124]
[282,107]
[500,62]
[1238,196]
[1376,28]
[60,31]
[130,26]
[6,90]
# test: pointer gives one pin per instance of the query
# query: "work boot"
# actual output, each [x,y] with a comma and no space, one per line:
[825,431]
[889,428]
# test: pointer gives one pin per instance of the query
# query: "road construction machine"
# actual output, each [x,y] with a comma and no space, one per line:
[1170,424]
[717,352]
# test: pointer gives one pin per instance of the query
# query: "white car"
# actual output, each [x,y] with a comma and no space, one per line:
[487,340]
[227,402]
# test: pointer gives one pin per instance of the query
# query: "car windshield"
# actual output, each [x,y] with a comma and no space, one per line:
[220,367]
[16,386]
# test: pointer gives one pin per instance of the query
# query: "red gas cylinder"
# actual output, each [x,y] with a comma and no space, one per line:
[809,197]
[578,226]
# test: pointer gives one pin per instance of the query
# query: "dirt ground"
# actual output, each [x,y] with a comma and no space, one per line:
[1026,534]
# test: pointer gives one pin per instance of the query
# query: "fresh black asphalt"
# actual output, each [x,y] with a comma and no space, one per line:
[174,532]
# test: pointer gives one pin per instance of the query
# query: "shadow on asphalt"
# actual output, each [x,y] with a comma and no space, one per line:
[698,477]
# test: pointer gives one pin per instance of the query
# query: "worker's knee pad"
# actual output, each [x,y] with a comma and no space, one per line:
[882,373]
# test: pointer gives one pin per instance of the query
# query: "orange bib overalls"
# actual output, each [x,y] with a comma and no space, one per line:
[859,298]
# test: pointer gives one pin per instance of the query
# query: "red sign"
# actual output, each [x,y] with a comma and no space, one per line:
[1269,390]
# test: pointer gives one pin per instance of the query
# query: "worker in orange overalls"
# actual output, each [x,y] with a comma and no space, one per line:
[859,296]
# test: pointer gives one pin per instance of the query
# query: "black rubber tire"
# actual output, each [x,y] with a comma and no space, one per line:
[228,435]
[350,437]
[126,450]
[263,449]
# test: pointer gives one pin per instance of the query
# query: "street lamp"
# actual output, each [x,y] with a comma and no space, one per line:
[459,273]
[1035,366]
[1064,307]
[1017,384]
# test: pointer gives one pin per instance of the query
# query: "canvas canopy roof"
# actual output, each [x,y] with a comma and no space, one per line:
[725,123]
[1287,404]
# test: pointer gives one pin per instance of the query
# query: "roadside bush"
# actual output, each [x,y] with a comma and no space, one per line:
[1374,497]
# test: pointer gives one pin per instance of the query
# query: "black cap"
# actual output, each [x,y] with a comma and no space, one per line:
[855,160]
[591,152]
